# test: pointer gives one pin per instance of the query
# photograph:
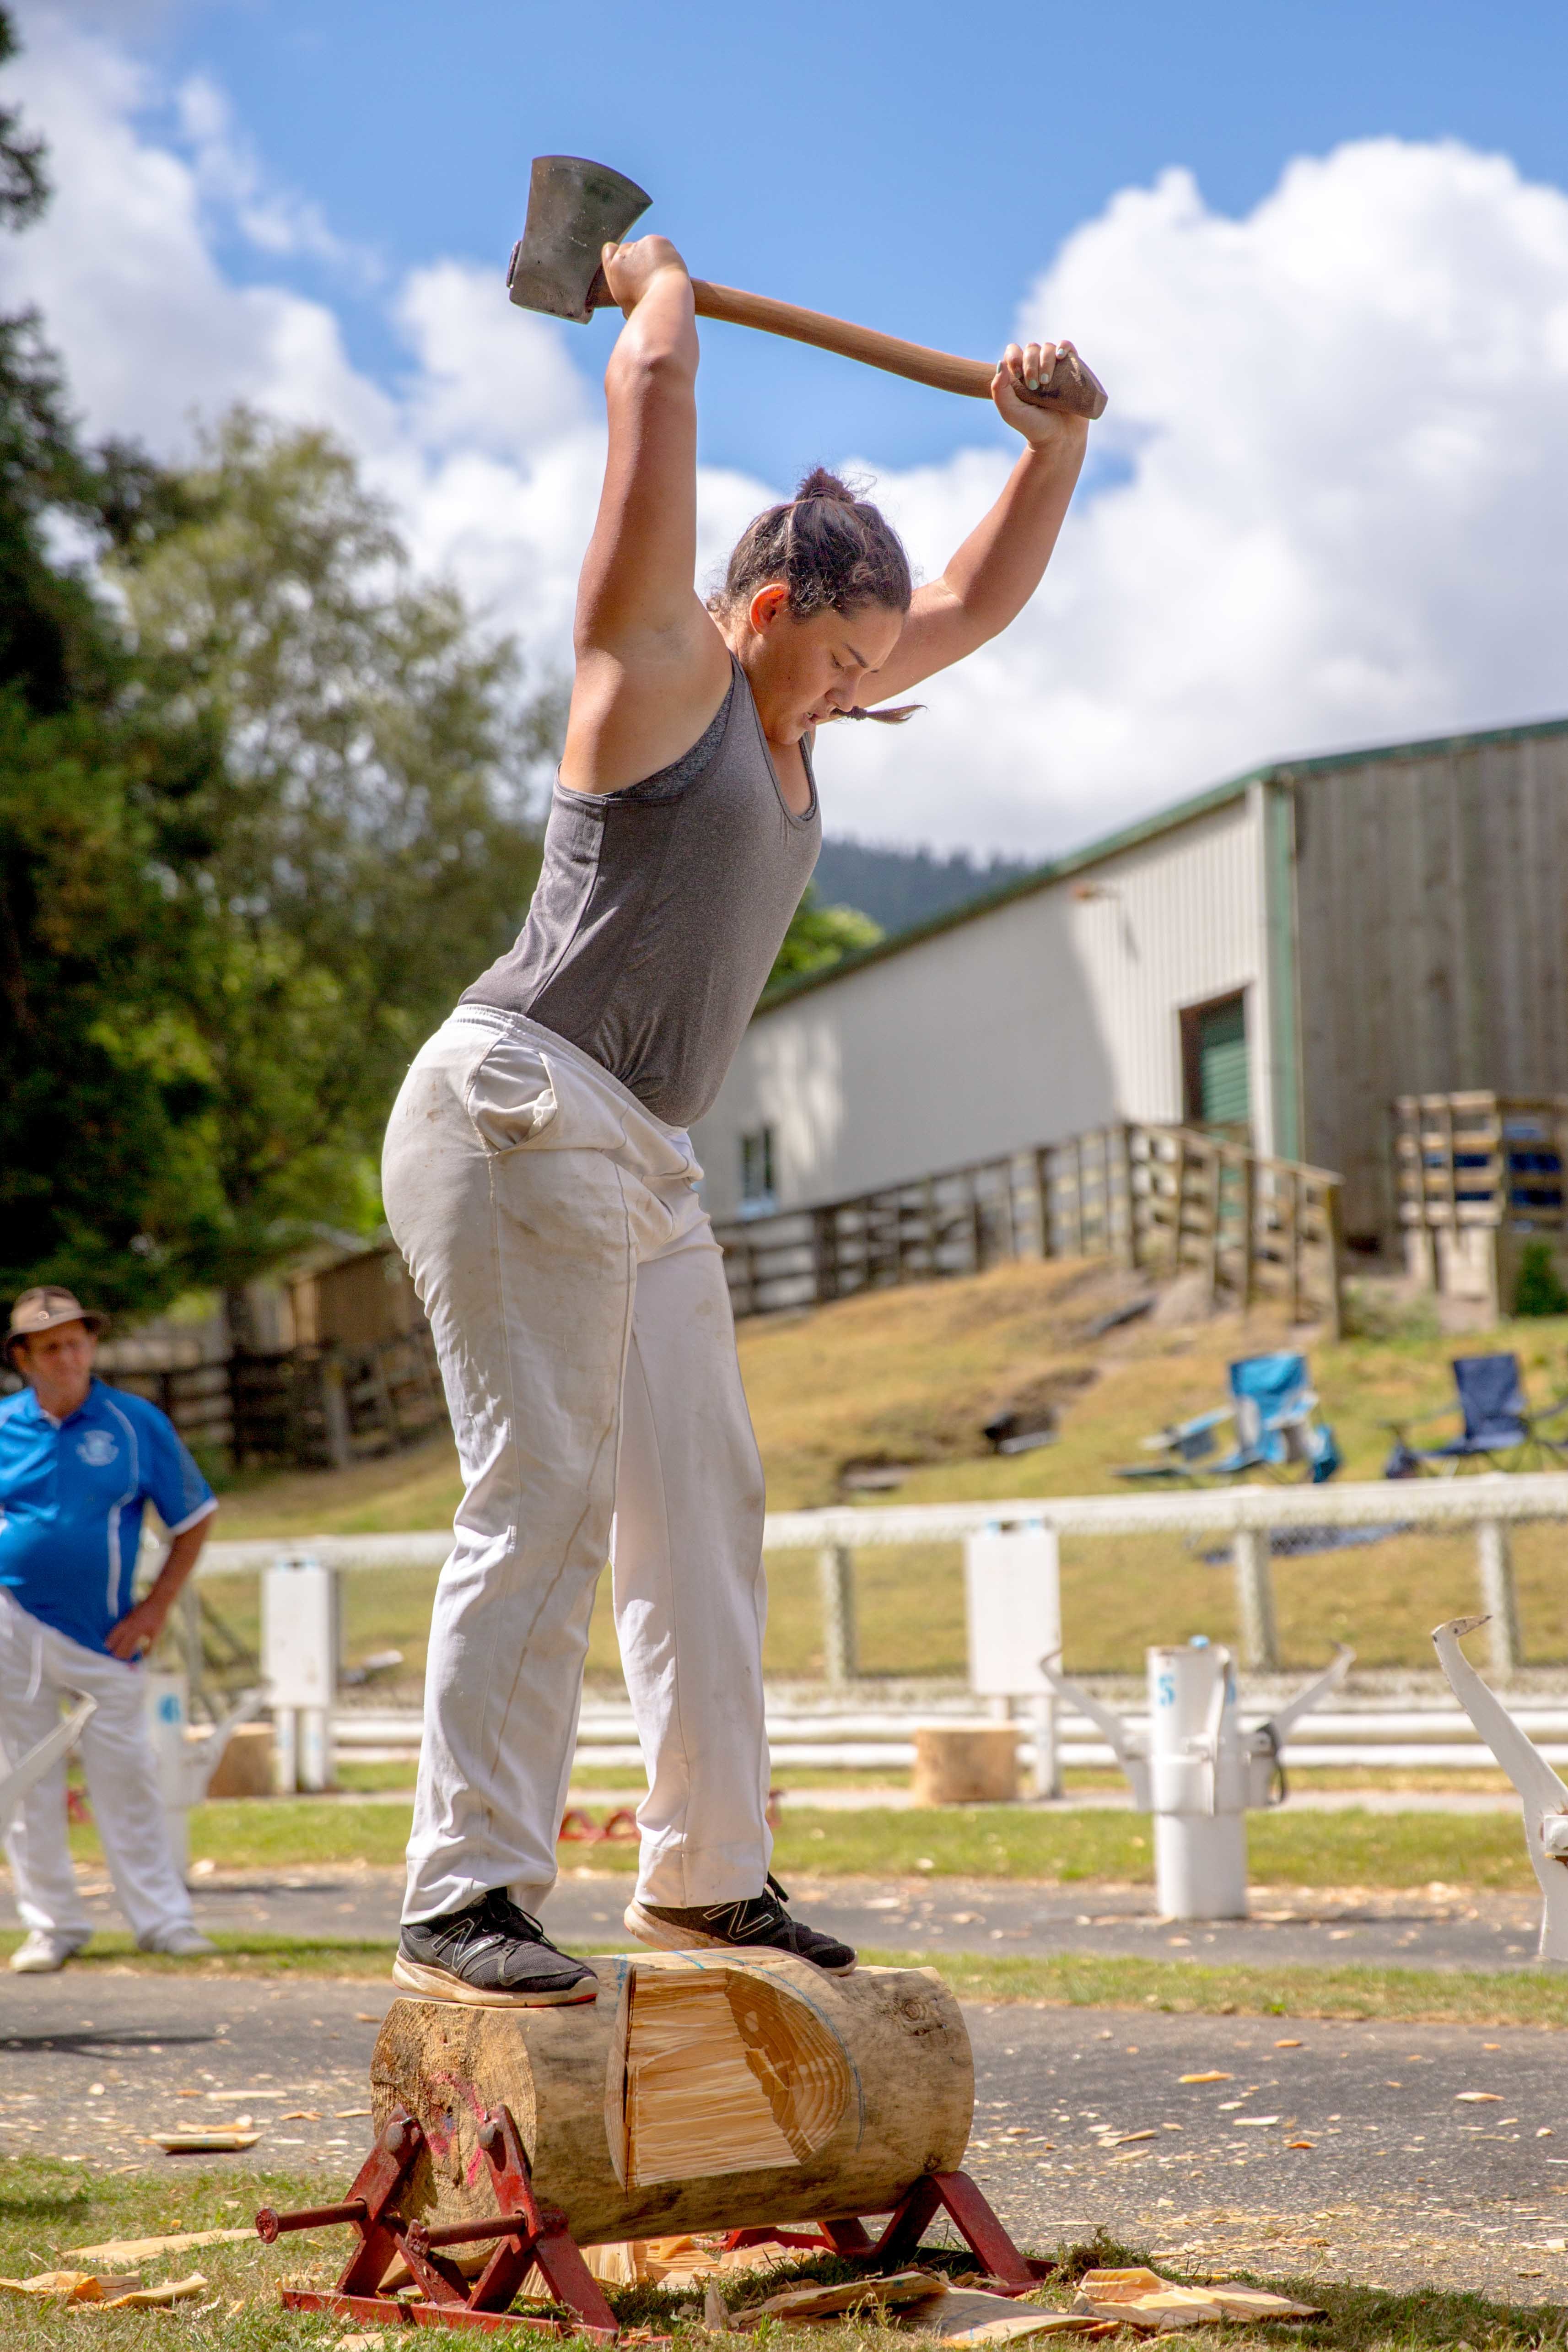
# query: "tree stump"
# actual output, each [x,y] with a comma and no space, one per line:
[965,1763]
[698,2092]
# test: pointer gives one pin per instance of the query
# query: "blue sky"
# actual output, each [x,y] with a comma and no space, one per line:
[912,166]
[1318,255]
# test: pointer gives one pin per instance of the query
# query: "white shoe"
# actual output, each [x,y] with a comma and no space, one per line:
[44,1951]
[184,1941]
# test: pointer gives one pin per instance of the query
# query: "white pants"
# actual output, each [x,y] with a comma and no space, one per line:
[582,1322]
[39,1667]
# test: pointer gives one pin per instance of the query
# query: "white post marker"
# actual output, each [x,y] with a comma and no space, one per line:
[299,1661]
[1199,1771]
[168,1711]
[1012,1594]
[186,1760]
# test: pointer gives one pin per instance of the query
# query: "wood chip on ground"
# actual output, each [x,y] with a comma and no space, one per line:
[203,2143]
[141,2249]
[1142,2299]
[801,2303]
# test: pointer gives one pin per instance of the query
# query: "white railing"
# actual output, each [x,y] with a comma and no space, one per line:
[1486,1507]
[1376,1738]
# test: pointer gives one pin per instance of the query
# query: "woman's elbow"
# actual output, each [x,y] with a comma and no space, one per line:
[640,372]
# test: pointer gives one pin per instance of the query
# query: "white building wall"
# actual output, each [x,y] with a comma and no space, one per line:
[1056,1011]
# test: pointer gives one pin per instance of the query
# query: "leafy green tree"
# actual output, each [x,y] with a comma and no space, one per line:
[264,810]
[370,842]
[92,779]
[819,936]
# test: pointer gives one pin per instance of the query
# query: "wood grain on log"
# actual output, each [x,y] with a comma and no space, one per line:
[698,2092]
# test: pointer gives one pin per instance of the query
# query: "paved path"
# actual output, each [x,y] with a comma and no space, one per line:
[1403,2183]
[1410,1928]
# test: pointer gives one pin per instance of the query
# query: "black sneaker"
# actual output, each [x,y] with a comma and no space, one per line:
[487,1953]
[755,1923]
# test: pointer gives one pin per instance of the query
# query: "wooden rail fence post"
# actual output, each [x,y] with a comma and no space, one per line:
[1494,1561]
[840,1642]
[1255,1598]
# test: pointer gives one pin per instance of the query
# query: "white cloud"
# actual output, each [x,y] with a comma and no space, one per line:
[274,220]
[1340,419]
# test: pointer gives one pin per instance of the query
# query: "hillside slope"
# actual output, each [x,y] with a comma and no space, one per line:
[910,1376]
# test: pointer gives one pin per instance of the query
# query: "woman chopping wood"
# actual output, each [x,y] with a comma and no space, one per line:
[539,1178]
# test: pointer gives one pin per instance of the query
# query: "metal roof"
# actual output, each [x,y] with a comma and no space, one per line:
[1133,836]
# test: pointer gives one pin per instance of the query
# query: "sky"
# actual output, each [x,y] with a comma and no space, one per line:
[1319,256]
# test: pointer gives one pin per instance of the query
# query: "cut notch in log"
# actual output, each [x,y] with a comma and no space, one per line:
[715,2071]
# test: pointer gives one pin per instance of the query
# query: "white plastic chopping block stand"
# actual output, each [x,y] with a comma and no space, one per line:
[1545,1797]
[1198,1771]
[299,1651]
[185,1765]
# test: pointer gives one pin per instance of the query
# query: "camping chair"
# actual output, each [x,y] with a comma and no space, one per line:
[1498,1428]
[1278,1430]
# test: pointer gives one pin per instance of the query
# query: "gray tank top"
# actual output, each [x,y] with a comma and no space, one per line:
[659,911]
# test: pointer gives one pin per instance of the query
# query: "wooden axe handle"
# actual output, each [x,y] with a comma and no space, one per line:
[1072,386]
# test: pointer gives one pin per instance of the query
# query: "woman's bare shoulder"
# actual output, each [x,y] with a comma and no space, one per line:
[637,709]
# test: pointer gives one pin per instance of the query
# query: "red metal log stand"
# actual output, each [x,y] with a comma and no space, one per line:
[529,2232]
[1007,2271]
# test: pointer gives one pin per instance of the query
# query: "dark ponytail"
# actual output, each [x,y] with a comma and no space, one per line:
[832,551]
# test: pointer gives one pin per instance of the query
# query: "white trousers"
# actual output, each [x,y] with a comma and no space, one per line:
[39,1669]
[582,1323]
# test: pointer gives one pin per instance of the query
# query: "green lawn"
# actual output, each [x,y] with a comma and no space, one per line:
[48,2207]
[1298,1849]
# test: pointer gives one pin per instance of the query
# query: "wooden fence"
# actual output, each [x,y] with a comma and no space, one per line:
[330,1405]
[1159,1200]
[1478,1175]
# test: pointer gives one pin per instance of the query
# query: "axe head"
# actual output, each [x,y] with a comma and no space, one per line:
[575,209]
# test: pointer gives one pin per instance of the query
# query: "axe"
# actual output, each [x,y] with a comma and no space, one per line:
[576,208]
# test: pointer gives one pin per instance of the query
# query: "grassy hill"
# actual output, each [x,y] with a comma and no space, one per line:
[910,1376]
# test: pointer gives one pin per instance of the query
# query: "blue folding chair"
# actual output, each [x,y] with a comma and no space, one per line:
[1498,1427]
[1278,1428]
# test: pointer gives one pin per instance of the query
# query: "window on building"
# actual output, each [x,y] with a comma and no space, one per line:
[1216,1090]
[757,1197]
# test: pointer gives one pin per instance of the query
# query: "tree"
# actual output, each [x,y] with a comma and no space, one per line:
[263,812]
[369,842]
[819,936]
[91,1136]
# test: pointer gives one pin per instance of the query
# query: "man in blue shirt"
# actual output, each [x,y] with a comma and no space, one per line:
[79,1461]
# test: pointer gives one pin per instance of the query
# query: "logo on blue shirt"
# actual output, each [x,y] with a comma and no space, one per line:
[98,1449]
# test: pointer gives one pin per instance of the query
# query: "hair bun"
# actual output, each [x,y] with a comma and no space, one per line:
[819,484]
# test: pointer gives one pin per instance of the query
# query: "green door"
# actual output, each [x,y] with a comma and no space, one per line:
[1217,1087]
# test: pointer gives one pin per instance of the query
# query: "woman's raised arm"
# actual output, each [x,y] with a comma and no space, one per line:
[651,667]
[993,575]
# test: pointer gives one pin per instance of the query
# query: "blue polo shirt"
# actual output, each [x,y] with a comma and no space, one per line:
[71,1498]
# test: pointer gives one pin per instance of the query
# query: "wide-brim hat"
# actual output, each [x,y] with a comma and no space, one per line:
[42,1309]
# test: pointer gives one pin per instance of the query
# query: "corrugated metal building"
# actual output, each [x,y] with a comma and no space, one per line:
[1279,956]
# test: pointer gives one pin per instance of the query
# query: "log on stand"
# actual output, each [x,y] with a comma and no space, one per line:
[699,2093]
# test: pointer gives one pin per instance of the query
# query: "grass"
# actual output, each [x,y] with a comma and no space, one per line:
[46,2207]
[1200,1989]
[910,1375]
[249,1952]
[1064,1980]
[1295,1849]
